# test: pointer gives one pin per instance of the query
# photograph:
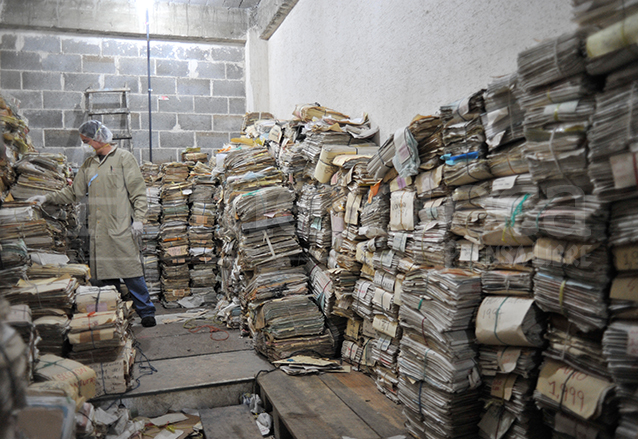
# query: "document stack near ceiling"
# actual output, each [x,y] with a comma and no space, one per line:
[571,259]
[611,42]
[173,238]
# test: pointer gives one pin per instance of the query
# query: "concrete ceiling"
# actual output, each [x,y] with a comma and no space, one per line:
[244,4]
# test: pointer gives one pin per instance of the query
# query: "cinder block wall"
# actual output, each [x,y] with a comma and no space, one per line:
[198,93]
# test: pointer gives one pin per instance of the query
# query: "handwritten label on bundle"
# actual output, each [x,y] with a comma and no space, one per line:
[572,389]
[503,385]
[399,241]
[624,288]
[428,181]
[385,326]
[626,257]
[499,320]
[110,377]
[624,168]
[402,211]
[469,252]
[632,341]
[504,183]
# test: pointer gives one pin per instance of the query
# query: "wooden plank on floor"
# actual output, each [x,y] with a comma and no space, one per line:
[309,409]
[360,393]
[229,422]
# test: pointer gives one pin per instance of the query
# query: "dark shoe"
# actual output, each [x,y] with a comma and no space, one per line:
[148,321]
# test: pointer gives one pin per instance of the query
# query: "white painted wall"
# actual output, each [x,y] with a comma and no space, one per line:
[397,58]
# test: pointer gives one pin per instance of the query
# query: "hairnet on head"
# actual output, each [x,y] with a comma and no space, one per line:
[96,130]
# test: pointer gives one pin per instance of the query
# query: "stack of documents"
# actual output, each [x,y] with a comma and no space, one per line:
[570,216]
[551,60]
[503,118]
[582,350]
[508,160]
[437,356]
[273,284]
[295,316]
[39,173]
[98,337]
[611,43]
[375,213]
[591,405]
[612,137]
[427,131]
[13,374]
[619,347]
[52,327]
[572,279]
[43,294]
[431,244]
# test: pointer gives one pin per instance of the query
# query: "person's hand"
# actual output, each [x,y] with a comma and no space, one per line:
[38,199]
[137,228]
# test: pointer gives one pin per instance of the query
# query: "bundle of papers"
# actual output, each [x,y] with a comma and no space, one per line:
[622,223]
[291,316]
[39,173]
[448,297]
[15,258]
[375,214]
[510,408]
[26,221]
[151,174]
[362,298]
[464,169]
[612,137]
[333,157]
[556,378]
[426,130]
[175,282]
[271,284]
[430,243]
[266,245]
[551,61]
[614,45]
[463,137]
[263,203]
[248,169]
[77,375]
[320,285]
[313,219]
[173,172]
[115,377]
[507,282]
[90,299]
[571,88]
[322,345]
[509,321]
[430,183]
[40,294]
[575,217]
[52,329]
[582,350]
[503,118]
[495,360]
[508,160]
[446,415]
[98,336]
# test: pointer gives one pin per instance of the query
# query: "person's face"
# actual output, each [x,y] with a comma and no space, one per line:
[93,143]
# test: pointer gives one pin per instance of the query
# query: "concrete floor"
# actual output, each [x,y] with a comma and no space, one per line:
[177,369]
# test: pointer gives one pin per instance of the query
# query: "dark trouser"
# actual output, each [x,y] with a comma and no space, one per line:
[139,293]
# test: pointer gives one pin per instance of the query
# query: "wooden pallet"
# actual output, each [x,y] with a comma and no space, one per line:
[331,405]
